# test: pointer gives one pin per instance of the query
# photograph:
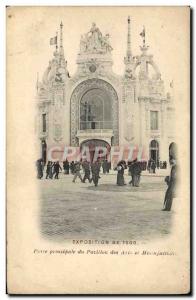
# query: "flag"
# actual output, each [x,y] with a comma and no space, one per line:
[143,33]
[53,41]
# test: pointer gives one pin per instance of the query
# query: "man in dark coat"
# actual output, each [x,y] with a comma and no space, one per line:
[40,166]
[104,166]
[95,169]
[171,190]
[108,166]
[66,167]
[131,171]
[48,169]
[77,168]
[137,173]
[87,171]
[57,168]
[72,165]
[153,166]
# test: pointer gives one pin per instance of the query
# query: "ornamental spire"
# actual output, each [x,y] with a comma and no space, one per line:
[129,39]
[144,47]
[62,62]
[61,39]
[128,57]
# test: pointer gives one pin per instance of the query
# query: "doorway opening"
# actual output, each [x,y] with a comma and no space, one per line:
[154,150]
[97,147]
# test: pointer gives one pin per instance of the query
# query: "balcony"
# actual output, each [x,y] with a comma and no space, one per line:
[95,125]
[95,130]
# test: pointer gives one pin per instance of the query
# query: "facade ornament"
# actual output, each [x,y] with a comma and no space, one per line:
[94,42]
[130,94]
[129,60]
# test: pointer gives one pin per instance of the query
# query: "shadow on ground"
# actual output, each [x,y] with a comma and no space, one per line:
[144,187]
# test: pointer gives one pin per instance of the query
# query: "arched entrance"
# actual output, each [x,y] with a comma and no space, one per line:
[97,149]
[94,106]
[154,150]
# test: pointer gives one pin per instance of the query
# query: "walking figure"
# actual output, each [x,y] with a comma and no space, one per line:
[136,173]
[121,166]
[57,168]
[77,168]
[40,166]
[48,169]
[131,172]
[66,167]
[72,166]
[105,166]
[87,171]
[95,169]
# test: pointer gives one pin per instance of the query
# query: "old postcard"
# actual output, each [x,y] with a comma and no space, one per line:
[98,144]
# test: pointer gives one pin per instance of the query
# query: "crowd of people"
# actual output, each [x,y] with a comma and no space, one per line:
[52,169]
[152,165]
[91,172]
[134,170]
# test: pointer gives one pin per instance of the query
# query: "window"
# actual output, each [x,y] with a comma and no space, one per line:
[154,120]
[95,110]
[44,122]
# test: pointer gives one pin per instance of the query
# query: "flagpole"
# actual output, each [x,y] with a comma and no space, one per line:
[56,40]
[37,81]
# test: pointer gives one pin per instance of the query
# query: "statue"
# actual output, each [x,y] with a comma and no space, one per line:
[106,43]
[93,41]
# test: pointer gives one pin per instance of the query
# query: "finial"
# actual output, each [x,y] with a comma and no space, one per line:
[61,34]
[143,35]
[61,50]
[144,47]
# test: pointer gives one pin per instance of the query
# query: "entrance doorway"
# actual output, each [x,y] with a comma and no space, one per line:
[90,146]
[154,150]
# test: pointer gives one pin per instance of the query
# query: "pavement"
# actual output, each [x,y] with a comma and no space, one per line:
[82,211]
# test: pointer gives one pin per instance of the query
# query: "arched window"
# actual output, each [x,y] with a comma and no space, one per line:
[95,110]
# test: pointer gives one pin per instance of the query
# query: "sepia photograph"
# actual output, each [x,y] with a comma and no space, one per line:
[99,115]
[107,155]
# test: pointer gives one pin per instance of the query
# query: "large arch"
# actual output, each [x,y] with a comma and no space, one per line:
[79,92]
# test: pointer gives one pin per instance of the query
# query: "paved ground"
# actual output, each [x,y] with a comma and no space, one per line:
[82,211]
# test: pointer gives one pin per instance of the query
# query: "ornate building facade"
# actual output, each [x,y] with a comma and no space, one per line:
[97,106]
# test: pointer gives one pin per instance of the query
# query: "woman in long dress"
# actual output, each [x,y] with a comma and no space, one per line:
[121,166]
